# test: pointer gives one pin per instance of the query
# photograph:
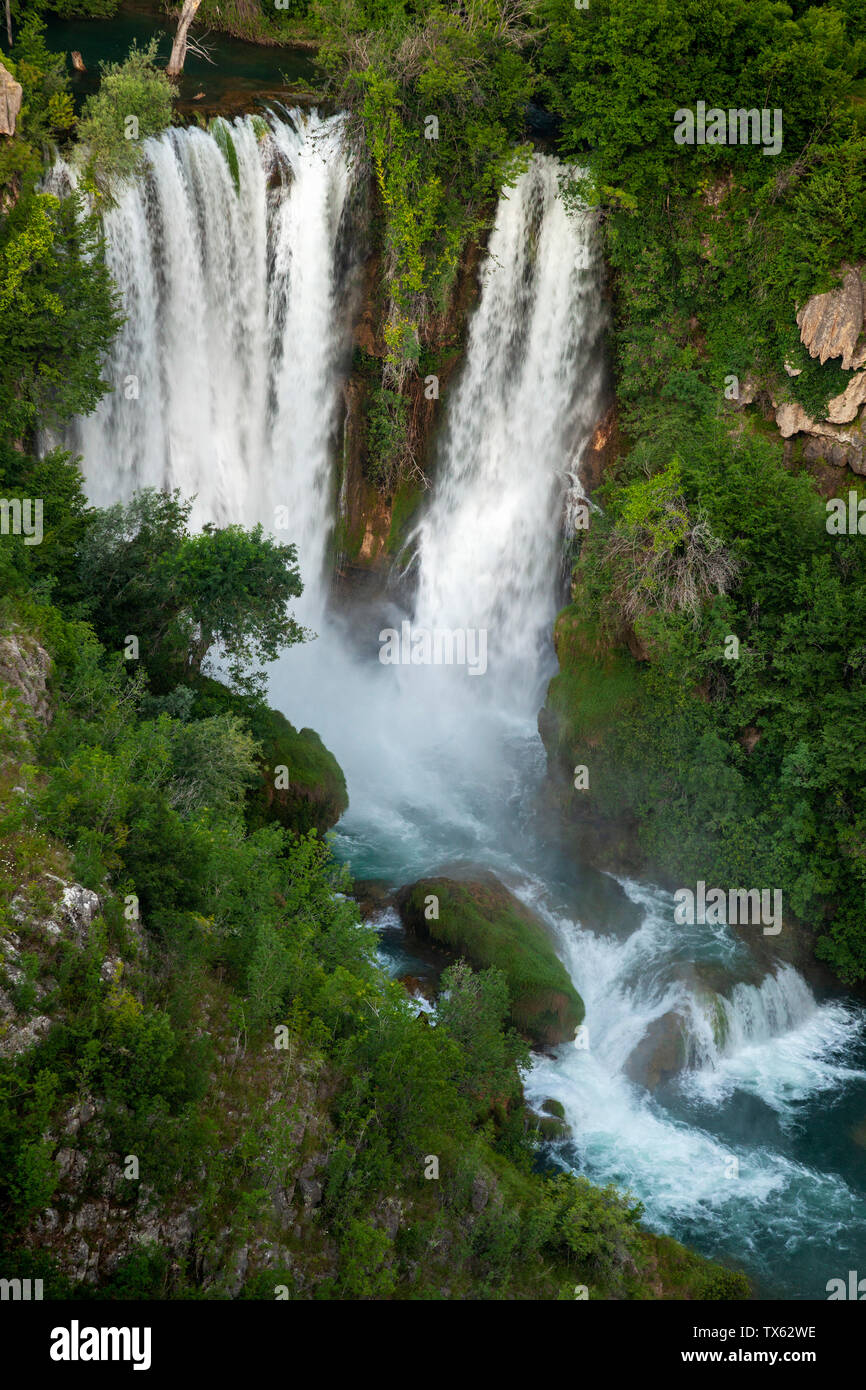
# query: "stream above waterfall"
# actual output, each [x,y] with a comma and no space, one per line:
[238,333]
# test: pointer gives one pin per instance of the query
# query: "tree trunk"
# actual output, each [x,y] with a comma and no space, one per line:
[178,48]
[9,23]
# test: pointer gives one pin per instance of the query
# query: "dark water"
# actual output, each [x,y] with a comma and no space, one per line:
[242,75]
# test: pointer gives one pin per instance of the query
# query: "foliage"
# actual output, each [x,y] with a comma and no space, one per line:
[58,312]
[438,98]
[134,101]
[737,767]
[182,594]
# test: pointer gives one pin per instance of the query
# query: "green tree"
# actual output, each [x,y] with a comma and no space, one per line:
[183,596]
[134,101]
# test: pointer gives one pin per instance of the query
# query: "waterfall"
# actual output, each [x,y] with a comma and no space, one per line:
[225,374]
[236,267]
[523,409]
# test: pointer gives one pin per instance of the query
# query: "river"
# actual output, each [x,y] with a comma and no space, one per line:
[240,304]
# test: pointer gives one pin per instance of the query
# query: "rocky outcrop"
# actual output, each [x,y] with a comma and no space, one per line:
[842,445]
[479,920]
[11,93]
[661,1052]
[830,324]
[49,910]
[602,448]
[24,667]
[302,786]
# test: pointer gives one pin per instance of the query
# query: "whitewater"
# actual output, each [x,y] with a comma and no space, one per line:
[239,300]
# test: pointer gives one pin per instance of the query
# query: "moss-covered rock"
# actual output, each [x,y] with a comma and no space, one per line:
[481,921]
[302,785]
[551,1128]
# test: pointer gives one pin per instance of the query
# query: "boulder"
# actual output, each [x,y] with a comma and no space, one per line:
[551,1128]
[830,324]
[553,1107]
[302,785]
[661,1052]
[11,93]
[481,921]
[315,796]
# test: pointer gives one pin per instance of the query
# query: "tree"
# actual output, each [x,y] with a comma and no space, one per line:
[58,313]
[473,1008]
[184,595]
[134,101]
[179,47]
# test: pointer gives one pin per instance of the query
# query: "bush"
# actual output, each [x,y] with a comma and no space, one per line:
[134,101]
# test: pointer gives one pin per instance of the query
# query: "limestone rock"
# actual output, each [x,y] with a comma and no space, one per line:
[15,1040]
[10,101]
[24,666]
[842,409]
[792,419]
[830,324]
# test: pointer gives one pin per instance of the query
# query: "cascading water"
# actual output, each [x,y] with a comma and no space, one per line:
[524,407]
[238,304]
[225,373]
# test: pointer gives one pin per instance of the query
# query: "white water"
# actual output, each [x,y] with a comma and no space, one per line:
[525,405]
[234,333]
[237,322]
[704,1171]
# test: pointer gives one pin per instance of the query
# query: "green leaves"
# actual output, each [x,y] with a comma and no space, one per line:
[58,313]
[184,595]
[134,101]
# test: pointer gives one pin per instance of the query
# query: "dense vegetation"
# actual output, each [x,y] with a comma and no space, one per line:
[223,917]
[740,764]
[217,1013]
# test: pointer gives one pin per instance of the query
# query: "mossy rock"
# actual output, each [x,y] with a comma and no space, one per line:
[314,795]
[481,921]
[597,686]
[551,1128]
[553,1107]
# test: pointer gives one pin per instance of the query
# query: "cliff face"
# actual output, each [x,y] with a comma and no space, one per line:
[832,330]
[378,502]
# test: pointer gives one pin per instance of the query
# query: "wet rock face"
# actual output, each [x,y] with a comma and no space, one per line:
[661,1053]
[830,324]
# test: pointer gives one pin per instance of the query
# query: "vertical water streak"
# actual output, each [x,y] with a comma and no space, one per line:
[522,411]
[225,373]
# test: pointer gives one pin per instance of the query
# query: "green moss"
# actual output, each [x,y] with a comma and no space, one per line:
[595,685]
[486,924]
[315,796]
[404,506]
[222,134]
